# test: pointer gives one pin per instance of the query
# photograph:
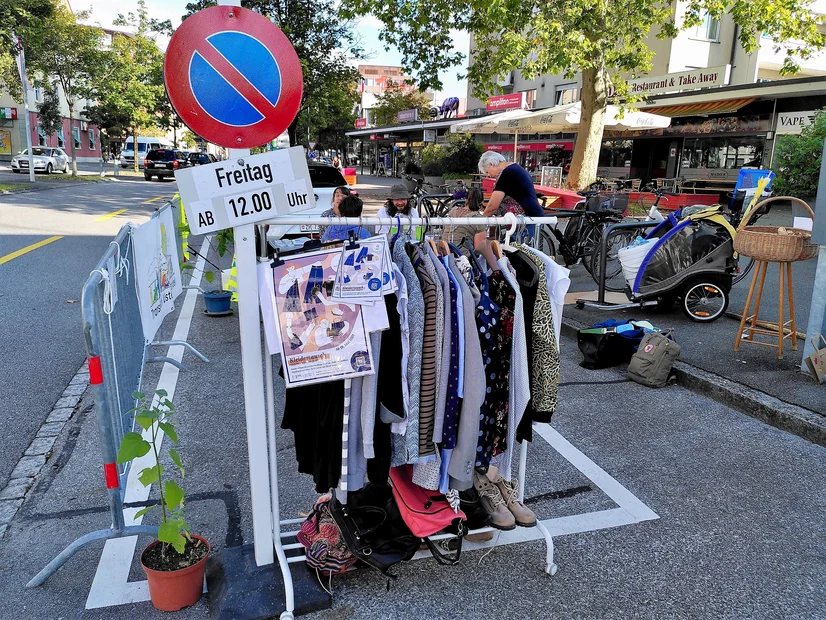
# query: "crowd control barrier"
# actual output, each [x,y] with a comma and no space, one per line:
[118,353]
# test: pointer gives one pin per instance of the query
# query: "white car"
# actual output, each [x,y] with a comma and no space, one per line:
[325,180]
[47,159]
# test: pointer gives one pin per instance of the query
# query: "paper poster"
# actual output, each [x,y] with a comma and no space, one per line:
[321,339]
[5,142]
[157,270]
[363,272]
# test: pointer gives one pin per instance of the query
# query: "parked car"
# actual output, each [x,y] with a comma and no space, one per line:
[163,163]
[197,159]
[325,180]
[46,159]
[127,155]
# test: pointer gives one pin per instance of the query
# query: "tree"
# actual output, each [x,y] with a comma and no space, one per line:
[131,92]
[797,159]
[188,139]
[395,98]
[70,54]
[49,112]
[605,40]
[19,18]
[462,154]
[324,42]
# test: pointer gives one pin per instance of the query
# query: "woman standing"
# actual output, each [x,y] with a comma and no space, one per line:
[514,190]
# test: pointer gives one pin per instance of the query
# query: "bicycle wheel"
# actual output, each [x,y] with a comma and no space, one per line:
[614,278]
[546,242]
[744,267]
[589,244]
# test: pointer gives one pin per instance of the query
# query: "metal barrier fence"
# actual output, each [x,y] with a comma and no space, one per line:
[118,353]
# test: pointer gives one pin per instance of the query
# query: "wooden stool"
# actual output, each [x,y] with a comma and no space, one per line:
[763,327]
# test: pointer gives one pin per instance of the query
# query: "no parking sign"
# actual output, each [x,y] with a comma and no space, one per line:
[233,77]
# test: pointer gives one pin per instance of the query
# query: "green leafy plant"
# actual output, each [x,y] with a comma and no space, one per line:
[462,154]
[797,160]
[431,153]
[433,169]
[156,414]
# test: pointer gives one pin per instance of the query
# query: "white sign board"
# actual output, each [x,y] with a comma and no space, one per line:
[245,190]
[429,135]
[685,80]
[157,270]
[794,122]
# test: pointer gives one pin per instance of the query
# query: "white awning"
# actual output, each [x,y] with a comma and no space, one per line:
[490,124]
[566,118]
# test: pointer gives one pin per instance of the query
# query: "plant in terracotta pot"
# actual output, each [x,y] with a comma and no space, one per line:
[176,561]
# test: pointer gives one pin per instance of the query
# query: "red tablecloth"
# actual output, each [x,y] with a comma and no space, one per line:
[567,198]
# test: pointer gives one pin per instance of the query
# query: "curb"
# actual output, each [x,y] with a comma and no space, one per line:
[29,190]
[36,456]
[794,419]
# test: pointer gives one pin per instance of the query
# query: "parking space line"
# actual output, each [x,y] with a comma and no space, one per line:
[111,585]
[16,254]
[155,199]
[103,218]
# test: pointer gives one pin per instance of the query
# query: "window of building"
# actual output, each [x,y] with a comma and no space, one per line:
[38,94]
[91,139]
[709,29]
[61,141]
[567,93]
[41,136]
[530,98]
[729,153]
[76,137]
[615,153]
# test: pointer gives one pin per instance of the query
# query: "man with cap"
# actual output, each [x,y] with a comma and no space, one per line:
[400,203]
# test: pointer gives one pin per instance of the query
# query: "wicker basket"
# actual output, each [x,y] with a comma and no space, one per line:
[769,243]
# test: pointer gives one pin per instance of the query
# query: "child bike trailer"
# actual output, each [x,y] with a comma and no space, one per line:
[690,260]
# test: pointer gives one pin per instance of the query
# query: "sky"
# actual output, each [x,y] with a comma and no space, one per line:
[105,11]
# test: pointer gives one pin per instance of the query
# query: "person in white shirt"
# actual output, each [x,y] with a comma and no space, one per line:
[400,203]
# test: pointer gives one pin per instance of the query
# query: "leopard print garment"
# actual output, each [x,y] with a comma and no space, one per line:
[545,386]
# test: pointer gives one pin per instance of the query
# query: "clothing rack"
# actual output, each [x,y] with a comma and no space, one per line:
[260,405]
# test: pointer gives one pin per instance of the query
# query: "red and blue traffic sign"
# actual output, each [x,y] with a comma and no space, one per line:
[233,77]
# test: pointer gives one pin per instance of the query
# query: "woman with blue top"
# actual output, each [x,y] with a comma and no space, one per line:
[349,206]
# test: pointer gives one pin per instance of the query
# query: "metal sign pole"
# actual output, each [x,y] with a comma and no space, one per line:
[817,311]
[253,372]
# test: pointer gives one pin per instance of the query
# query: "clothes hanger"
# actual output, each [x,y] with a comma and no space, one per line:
[488,252]
[443,249]
[513,223]
[398,231]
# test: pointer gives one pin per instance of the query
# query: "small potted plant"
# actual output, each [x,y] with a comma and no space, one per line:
[216,301]
[176,561]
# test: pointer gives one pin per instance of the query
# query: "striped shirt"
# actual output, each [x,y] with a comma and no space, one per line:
[428,385]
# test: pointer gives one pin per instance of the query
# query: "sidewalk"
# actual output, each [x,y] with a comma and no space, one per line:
[664,504]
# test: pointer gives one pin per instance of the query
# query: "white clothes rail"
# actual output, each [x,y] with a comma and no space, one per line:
[261,406]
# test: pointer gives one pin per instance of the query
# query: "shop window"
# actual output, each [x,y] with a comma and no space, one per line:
[732,153]
[91,140]
[615,153]
[41,136]
[61,140]
[568,93]
[709,28]
[76,137]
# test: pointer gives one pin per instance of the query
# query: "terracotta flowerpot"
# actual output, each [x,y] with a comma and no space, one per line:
[176,589]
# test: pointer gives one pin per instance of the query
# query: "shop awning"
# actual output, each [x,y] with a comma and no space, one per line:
[696,109]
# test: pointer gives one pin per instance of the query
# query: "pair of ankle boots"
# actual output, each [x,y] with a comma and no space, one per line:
[495,503]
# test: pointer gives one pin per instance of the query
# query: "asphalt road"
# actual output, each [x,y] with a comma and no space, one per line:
[40,313]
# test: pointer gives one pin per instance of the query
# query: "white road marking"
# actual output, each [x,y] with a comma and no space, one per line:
[111,585]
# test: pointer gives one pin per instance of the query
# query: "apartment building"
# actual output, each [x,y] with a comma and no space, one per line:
[726,106]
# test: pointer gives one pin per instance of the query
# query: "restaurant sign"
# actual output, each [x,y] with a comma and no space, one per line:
[685,80]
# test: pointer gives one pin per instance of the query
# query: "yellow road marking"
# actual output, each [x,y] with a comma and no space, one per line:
[27,249]
[155,199]
[112,214]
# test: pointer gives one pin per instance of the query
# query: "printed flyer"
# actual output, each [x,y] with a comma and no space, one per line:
[321,339]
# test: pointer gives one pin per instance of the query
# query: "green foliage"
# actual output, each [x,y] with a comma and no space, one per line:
[155,415]
[605,40]
[71,54]
[432,152]
[462,154]
[49,114]
[18,18]
[188,139]
[394,99]
[433,168]
[797,160]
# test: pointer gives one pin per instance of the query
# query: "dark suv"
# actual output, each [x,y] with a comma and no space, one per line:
[163,163]
[197,159]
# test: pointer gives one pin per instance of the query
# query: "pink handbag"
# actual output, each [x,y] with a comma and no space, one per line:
[423,512]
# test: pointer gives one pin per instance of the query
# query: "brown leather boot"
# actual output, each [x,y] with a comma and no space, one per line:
[493,503]
[523,515]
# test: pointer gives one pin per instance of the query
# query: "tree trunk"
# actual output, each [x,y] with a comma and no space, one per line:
[592,122]
[135,147]
[72,131]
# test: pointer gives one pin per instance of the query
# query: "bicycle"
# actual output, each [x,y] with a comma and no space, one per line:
[433,204]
